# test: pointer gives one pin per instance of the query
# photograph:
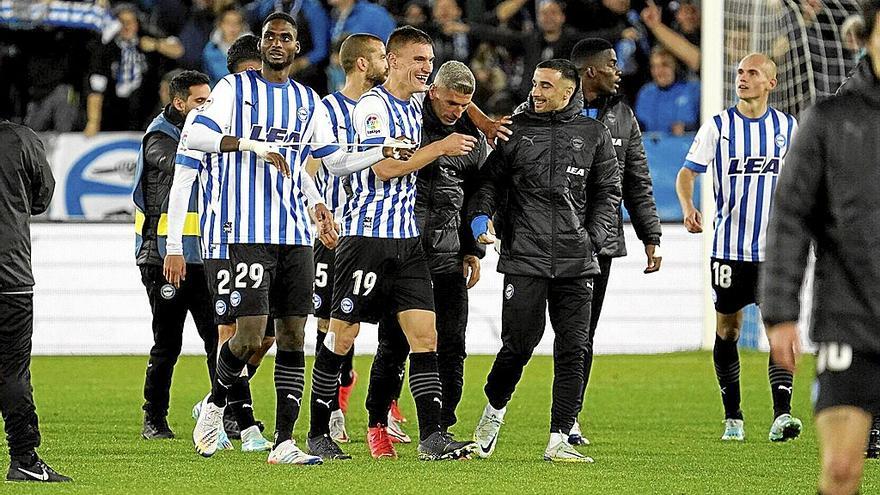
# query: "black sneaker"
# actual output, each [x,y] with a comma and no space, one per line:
[325,448]
[873,451]
[156,427]
[231,425]
[38,471]
[441,446]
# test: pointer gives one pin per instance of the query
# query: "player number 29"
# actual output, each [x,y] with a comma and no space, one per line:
[363,281]
[254,272]
[723,275]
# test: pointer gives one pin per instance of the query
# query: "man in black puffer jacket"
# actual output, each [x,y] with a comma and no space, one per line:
[560,177]
[441,193]
[600,77]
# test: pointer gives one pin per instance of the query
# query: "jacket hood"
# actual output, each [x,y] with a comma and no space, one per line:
[605,101]
[862,82]
[570,111]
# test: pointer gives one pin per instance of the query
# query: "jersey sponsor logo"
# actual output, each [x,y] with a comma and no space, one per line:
[577,143]
[273,134]
[617,141]
[346,305]
[235,298]
[167,291]
[220,307]
[508,291]
[316,300]
[753,165]
[368,223]
[576,171]
[372,124]
[780,141]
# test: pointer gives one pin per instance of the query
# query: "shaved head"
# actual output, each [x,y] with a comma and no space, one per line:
[766,64]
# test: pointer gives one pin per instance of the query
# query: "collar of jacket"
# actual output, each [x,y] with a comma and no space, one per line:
[173,116]
[604,102]
[569,112]
[863,82]
[464,125]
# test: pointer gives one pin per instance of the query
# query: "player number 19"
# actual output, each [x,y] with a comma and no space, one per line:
[367,282]
[723,275]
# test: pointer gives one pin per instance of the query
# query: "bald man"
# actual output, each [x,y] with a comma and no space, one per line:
[744,147]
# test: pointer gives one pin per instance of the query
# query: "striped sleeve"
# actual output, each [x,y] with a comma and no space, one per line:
[702,151]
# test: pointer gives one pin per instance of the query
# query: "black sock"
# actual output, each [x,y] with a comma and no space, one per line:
[252,370]
[27,459]
[325,388]
[424,383]
[345,378]
[319,341]
[290,378]
[726,357]
[241,404]
[228,370]
[781,386]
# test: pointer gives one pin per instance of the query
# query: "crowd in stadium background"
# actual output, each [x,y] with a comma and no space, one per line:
[119,62]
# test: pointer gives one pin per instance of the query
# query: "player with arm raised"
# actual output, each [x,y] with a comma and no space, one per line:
[744,147]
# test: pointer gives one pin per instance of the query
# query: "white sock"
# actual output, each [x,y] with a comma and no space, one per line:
[495,412]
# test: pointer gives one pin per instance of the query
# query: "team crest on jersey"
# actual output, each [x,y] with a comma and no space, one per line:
[235,298]
[508,292]
[316,300]
[167,291]
[302,114]
[372,124]
[780,141]
[346,305]
[220,307]
[577,143]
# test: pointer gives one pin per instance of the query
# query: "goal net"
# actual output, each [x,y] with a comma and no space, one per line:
[804,37]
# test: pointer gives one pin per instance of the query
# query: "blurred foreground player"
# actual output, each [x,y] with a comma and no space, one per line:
[827,197]
[27,184]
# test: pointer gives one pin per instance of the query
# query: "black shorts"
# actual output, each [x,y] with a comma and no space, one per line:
[734,284]
[217,276]
[846,377]
[325,259]
[376,276]
[271,279]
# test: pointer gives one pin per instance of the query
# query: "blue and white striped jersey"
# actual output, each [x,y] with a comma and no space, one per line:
[745,156]
[339,108]
[380,208]
[256,203]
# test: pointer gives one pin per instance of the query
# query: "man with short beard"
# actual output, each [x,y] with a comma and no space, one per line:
[362,57]
[260,214]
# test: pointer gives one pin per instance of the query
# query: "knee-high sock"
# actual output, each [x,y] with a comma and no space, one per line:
[325,389]
[424,382]
[228,370]
[781,386]
[726,357]
[290,372]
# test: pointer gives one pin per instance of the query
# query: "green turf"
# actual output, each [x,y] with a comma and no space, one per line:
[654,422]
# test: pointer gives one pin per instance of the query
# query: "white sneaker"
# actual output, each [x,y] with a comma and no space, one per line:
[209,425]
[288,453]
[733,430]
[785,427]
[486,433]
[559,450]
[252,440]
[337,427]
[575,437]
[395,430]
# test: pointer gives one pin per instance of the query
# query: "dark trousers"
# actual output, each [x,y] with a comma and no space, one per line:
[386,375]
[526,300]
[169,307]
[600,284]
[16,393]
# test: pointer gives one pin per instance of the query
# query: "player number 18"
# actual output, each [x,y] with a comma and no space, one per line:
[723,275]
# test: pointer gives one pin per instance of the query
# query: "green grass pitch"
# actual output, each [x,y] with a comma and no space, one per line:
[655,423]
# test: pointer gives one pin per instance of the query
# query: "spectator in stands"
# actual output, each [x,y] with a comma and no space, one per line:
[51,78]
[415,14]
[853,33]
[196,31]
[552,40]
[165,91]
[124,75]
[452,46]
[680,45]
[668,103]
[360,16]
[230,27]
